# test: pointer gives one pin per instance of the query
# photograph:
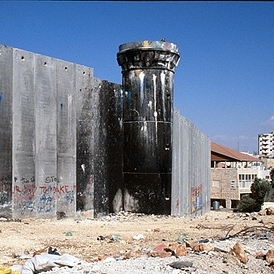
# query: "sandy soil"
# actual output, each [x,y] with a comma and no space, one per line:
[95,239]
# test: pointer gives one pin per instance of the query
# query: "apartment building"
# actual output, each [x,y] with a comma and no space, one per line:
[232,174]
[266,145]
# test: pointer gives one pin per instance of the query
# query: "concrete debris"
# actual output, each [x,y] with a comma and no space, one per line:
[221,246]
[270,211]
[133,254]
[184,265]
[160,247]
[239,252]
[177,249]
[201,247]
[270,257]
[160,254]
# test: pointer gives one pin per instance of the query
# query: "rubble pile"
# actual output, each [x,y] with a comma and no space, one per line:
[218,242]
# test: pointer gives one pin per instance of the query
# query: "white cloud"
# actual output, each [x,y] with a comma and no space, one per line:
[270,121]
[242,137]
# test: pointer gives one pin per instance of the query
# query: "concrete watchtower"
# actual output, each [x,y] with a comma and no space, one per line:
[148,79]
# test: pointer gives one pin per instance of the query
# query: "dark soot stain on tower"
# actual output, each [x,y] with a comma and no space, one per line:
[148,79]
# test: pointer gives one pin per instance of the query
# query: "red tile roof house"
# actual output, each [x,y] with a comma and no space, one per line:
[232,173]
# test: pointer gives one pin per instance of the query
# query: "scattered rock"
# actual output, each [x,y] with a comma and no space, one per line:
[177,249]
[160,254]
[270,211]
[216,249]
[196,236]
[60,215]
[132,254]
[183,265]
[259,255]
[160,248]
[203,241]
[160,251]
[239,252]
[262,212]
[200,247]
[270,256]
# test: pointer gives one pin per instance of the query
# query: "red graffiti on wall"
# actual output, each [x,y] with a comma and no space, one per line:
[61,189]
[26,192]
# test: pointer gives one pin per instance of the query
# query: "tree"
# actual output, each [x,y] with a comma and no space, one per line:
[258,190]
[247,204]
[253,201]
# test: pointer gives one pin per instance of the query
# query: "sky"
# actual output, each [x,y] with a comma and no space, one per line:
[224,82]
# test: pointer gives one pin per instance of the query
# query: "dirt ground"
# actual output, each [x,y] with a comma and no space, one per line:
[113,235]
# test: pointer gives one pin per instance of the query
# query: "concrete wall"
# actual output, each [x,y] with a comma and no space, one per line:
[190,194]
[61,143]
[56,123]
[6,85]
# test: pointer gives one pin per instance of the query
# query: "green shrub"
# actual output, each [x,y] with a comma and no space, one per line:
[253,201]
[247,204]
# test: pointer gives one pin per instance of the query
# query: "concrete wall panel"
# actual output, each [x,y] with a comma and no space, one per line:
[66,137]
[84,101]
[6,82]
[190,169]
[46,135]
[23,133]
[99,152]
[109,146]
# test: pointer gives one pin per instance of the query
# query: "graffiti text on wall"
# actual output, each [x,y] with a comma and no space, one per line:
[24,195]
[196,198]
[42,198]
[25,180]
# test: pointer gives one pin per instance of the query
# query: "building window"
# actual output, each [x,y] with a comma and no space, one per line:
[246,180]
[215,183]
[242,184]
[232,184]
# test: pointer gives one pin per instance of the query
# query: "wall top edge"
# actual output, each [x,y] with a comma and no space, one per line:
[176,112]
[46,56]
[146,45]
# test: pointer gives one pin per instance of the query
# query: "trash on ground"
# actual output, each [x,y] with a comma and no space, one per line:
[181,264]
[115,237]
[46,262]
[138,237]
[183,238]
